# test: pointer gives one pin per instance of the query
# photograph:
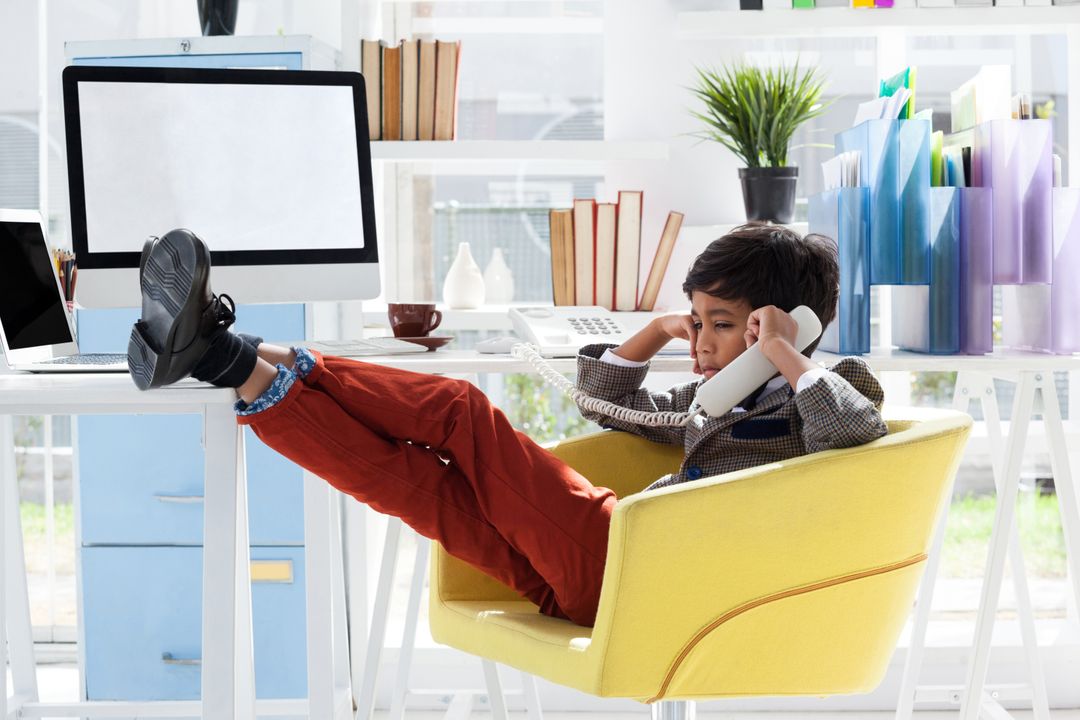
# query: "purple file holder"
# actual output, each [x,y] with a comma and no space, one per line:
[1046,318]
[1013,158]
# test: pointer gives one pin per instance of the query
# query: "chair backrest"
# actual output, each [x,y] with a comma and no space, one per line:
[789,578]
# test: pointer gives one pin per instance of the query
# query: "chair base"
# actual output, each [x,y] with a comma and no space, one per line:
[674,710]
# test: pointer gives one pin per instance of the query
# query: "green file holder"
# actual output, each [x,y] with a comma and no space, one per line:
[1014,158]
[894,164]
[843,215]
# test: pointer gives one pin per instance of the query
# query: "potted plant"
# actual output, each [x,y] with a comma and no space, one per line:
[753,112]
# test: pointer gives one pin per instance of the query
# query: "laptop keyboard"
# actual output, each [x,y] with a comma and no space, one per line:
[87,359]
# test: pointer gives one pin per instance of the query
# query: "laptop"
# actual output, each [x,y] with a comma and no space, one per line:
[36,330]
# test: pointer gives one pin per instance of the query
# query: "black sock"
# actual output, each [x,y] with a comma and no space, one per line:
[228,361]
[253,340]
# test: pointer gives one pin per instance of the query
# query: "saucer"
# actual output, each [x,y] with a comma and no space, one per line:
[431,342]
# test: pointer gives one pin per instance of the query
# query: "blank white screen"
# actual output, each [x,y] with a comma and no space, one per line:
[245,167]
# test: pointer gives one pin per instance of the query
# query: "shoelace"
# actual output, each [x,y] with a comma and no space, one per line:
[224,315]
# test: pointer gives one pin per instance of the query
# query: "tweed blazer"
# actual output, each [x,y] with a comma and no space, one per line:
[840,409]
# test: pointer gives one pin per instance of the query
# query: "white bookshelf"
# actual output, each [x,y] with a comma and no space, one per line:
[486,151]
[846,21]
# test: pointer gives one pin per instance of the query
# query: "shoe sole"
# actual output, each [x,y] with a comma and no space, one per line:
[172,277]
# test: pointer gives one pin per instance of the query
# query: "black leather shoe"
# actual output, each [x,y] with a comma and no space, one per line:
[178,310]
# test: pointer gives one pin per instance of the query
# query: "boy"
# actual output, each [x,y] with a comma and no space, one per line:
[434,452]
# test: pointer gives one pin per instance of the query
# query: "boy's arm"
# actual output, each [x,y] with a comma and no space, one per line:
[842,407]
[618,380]
[839,408]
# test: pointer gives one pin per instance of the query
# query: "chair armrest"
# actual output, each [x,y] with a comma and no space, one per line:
[683,557]
[621,461]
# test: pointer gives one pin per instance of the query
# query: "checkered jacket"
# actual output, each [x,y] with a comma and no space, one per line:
[839,410]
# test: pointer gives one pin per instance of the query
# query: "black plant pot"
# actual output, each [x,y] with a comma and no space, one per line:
[217,17]
[769,193]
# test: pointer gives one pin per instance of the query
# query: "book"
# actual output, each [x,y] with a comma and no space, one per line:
[660,260]
[584,252]
[605,255]
[425,92]
[371,69]
[627,249]
[391,96]
[410,77]
[561,225]
[447,57]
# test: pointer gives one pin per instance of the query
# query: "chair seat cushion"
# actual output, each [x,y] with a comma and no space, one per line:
[513,632]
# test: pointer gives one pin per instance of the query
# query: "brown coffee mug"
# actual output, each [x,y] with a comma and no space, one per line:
[413,319]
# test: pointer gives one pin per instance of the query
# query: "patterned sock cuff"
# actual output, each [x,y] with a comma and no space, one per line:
[305,362]
[274,394]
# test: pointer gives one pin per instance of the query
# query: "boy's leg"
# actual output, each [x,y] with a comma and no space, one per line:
[397,478]
[546,510]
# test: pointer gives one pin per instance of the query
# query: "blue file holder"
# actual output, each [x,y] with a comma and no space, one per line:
[894,164]
[953,313]
[1014,159]
[843,215]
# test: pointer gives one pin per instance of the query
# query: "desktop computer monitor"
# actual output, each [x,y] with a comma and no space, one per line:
[271,168]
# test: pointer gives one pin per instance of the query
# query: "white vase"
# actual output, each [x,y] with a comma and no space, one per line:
[498,280]
[464,285]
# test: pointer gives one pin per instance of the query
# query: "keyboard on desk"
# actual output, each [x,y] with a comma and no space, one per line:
[82,362]
[89,359]
[363,347]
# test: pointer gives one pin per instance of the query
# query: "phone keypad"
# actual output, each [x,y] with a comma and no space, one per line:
[594,326]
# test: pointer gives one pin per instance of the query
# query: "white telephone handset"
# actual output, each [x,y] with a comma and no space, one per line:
[715,397]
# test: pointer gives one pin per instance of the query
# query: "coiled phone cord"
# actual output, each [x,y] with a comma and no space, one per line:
[526,351]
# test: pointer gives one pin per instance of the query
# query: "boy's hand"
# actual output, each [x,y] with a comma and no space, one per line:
[768,325]
[774,331]
[646,343]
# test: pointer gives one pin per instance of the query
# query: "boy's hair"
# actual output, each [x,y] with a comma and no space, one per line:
[770,265]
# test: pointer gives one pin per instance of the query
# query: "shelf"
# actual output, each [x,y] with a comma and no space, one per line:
[460,26]
[841,21]
[574,151]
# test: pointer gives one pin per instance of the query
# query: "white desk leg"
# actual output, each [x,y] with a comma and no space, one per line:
[1004,515]
[1024,611]
[318,588]
[365,701]
[408,636]
[228,663]
[355,547]
[1063,479]
[962,396]
[532,696]
[15,603]
[340,639]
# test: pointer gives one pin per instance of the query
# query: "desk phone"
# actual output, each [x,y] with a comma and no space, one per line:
[563,330]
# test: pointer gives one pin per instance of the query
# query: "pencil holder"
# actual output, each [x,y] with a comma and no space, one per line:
[843,214]
[1013,158]
[894,164]
[1046,318]
[926,318]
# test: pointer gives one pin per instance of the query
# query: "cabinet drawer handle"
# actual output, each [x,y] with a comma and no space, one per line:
[181,499]
[168,659]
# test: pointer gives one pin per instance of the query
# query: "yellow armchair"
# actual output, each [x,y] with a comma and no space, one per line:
[793,578]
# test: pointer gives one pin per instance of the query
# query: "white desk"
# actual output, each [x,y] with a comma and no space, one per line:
[228,688]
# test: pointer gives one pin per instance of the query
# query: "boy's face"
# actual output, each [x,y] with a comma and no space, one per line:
[720,327]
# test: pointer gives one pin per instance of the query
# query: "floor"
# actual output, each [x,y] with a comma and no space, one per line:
[60,683]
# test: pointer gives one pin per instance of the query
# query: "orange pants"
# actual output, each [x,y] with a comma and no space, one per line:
[434,452]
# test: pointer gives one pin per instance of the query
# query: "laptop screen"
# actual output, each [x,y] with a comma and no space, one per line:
[31,311]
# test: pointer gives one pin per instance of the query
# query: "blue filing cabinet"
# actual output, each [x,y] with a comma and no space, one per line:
[141,480]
